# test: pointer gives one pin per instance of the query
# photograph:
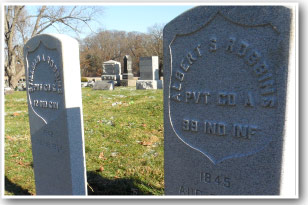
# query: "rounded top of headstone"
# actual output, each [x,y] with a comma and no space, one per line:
[111,62]
[127,57]
[212,47]
[200,16]
[50,39]
[148,57]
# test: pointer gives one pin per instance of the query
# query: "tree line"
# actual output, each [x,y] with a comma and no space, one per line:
[22,23]
[114,45]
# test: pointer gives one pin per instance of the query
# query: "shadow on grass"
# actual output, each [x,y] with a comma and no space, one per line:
[14,188]
[98,185]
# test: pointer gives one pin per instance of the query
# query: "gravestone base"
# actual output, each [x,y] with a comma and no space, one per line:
[8,90]
[115,78]
[104,85]
[148,84]
[129,83]
[128,76]
[90,84]
[84,84]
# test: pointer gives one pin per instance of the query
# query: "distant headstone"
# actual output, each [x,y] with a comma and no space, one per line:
[149,78]
[104,85]
[90,83]
[21,86]
[128,76]
[148,68]
[84,84]
[55,114]
[112,71]
[8,90]
[226,71]
[128,69]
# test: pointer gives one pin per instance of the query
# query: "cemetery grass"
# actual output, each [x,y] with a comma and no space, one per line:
[123,142]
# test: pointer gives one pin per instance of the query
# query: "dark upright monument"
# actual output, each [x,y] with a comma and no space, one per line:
[128,69]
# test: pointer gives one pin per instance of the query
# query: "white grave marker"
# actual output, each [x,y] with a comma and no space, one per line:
[55,114]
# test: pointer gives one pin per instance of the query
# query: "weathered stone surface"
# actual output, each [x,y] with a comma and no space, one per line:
[148,84]
[90,84]
[84,84]
[115,78]
[149,78]
[128,82]
[109,77]
[149,68]
[21,86]
[128,67]
[104,85]
[127,76]
[225,72]
[55,114]
[112,71]
[111,67]
[8,90]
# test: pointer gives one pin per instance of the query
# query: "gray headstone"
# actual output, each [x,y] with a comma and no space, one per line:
[111,67]
[128,69]
[149,77]
[8,90]
[104,85]
[112,70]
[55,114]
[21,86]
[90,84]
[84,84]
[149,68]
[226,71]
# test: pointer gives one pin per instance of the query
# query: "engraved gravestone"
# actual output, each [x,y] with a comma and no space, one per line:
[149,78]
[148,68]
[226,71]
[128,76]
[111,71]
[55,114]
[128,69]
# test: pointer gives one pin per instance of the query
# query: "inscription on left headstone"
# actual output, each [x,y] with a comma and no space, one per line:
[55,114]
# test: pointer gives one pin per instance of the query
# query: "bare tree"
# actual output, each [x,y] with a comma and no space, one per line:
[114,45]
[156,34]
[156,45]
[21,25]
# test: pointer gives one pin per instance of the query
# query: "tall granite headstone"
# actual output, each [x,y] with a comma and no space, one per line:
[149,76]
[128,69]
[225,72]
[55,114]
[112,71]
[127,75]
[148,68]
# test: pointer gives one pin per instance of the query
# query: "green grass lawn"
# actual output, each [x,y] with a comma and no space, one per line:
[123,142]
